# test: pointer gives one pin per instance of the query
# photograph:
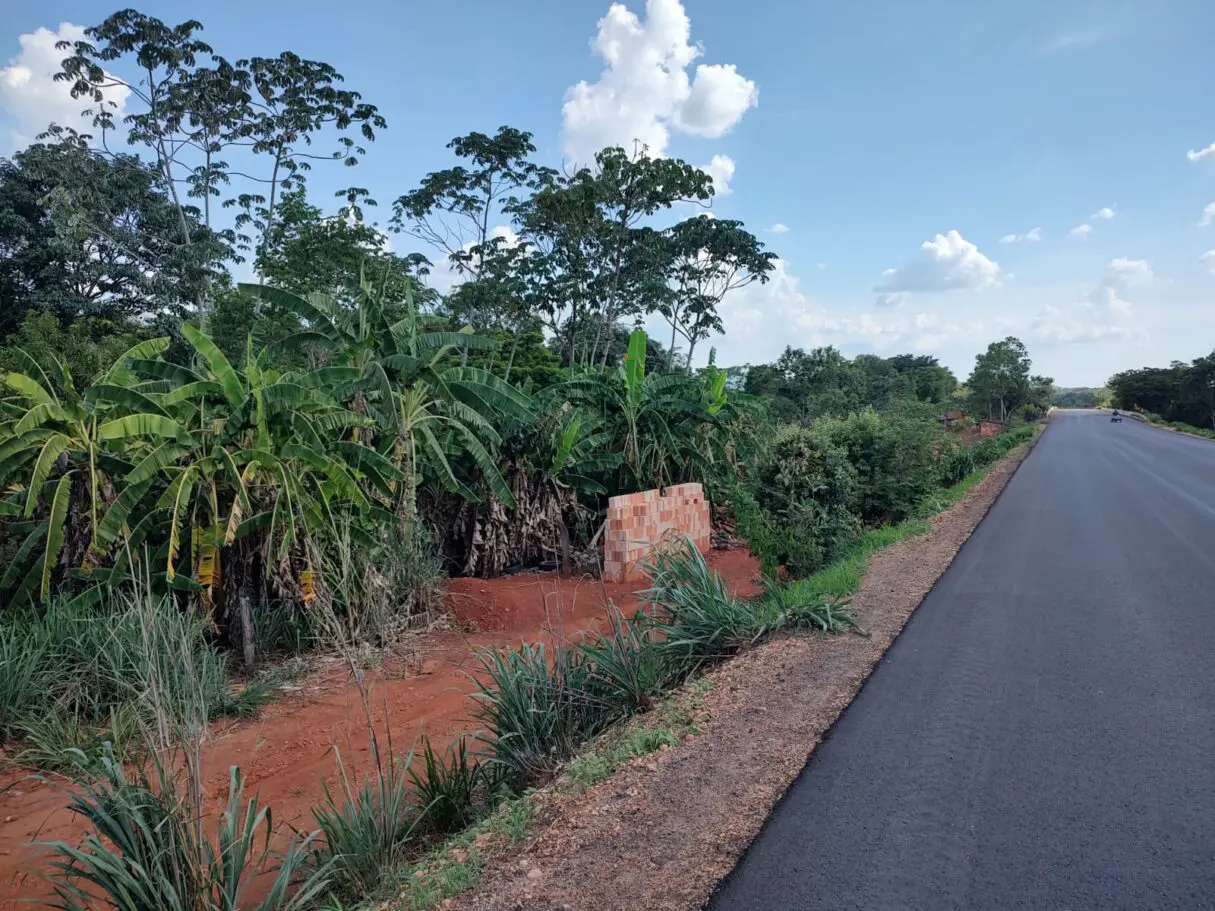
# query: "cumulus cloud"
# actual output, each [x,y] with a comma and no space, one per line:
[1120,275]
[1103,214]
[760,320]
[779,228]
[1208,215]
[1081,231]
[721,169]
[1208,260]
[948,262]
[644,92]
[1131,271]
[1208,152]
[1031,236]
[31,97]
[1069,326]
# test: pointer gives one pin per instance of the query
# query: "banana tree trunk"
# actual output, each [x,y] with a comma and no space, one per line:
[246,627]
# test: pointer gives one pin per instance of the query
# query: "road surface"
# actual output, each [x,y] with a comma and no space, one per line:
[1042,734]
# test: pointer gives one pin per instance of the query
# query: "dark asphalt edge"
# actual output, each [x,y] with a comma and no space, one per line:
[830,731]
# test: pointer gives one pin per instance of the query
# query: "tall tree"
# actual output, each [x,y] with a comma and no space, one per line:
[453,210]
[593,261]
[709,258]
[306,252]
[191,110]
[1198,390]
[933,383]
[1000,381]
[87,236]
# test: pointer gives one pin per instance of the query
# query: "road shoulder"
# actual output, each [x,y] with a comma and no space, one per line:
[666,827]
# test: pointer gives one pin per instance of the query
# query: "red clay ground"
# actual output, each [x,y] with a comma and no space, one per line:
[286,752]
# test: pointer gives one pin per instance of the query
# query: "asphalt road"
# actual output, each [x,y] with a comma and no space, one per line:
[1042,734]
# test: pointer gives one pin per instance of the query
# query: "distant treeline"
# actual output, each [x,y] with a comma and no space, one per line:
[1181,393]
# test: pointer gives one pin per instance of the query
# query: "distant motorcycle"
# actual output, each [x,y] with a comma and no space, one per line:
[1115,418]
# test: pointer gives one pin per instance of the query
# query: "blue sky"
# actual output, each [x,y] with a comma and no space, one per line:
[910,150]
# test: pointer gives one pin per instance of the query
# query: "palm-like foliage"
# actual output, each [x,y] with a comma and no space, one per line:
[182,462]
[54,439]
[658,419]
[427,408]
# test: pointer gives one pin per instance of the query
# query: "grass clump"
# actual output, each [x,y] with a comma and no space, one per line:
[146,850]
[697,618]
[454,789]
[539,706]
[627,667]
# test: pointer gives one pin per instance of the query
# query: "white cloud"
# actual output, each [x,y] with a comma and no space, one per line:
[1103,214]
[949,263]
[1131,271]
[1068,326]
[1031,237]
[1208,215]
[1081,231]
[1208,152]
[506,233]
[1121,274]
[893,298]
[718,99]
[644,92]
[33,100]
[779,228]
[1208,260]
[721,169]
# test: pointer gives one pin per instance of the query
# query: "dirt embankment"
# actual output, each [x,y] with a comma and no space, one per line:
[286,752]
[660,833]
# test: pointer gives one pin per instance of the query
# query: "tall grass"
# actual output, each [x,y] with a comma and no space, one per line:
[147,848]
[367,828]
[73,677]
[699,621]
[628,666]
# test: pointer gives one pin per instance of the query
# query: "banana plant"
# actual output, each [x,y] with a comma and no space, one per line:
[428,409]
[658,416]
[54,441]
[270,462]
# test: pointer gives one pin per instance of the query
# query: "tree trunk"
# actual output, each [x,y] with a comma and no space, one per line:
[510,361]
[246,627]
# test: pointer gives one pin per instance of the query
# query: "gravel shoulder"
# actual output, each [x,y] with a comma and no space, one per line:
[664,829]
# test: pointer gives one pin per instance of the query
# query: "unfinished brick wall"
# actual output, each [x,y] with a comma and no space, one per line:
[638,521]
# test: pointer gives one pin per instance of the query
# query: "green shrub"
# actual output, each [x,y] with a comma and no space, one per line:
[893,455]
[804,503]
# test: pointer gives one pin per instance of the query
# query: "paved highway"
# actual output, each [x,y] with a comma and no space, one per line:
[1042,734]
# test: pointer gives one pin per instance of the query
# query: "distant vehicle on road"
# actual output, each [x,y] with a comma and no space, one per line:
[1116,417]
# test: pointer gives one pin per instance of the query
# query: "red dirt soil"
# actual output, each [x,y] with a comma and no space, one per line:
[286,752]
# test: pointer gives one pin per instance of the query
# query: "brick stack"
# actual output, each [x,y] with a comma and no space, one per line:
[637,522]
